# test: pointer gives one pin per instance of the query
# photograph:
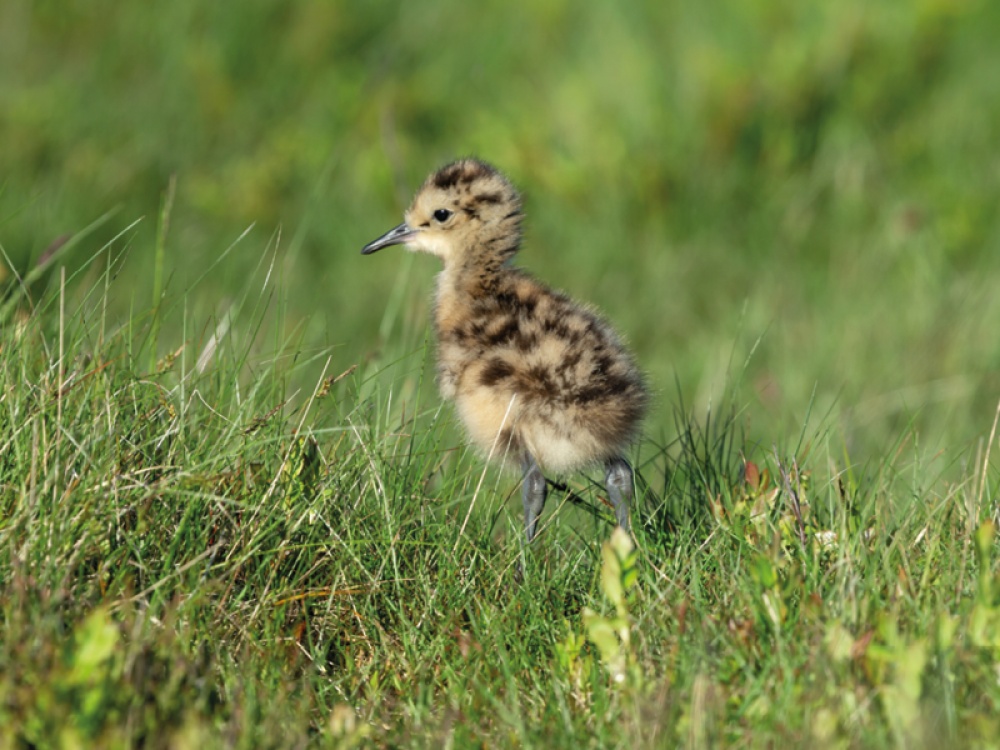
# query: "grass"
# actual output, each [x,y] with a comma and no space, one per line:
[233,511]
[197,554]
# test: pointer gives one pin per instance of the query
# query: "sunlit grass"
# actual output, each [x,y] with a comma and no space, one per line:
[220,549]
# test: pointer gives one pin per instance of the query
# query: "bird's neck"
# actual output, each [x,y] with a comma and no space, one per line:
[479,269]
[462,287]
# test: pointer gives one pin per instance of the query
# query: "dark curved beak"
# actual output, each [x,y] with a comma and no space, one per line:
[397,236]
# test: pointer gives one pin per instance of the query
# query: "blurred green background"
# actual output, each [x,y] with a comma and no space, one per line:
[796,198]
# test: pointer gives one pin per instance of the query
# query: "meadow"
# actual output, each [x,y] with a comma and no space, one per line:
[233,510]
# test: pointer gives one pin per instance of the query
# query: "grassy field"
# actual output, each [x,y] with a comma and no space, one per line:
[233,511]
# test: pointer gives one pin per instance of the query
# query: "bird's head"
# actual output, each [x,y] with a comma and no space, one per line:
[465,212]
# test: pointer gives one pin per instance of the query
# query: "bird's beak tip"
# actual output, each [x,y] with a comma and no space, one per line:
[396,236]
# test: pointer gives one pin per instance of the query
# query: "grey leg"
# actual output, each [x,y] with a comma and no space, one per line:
[533,494]
[618,480]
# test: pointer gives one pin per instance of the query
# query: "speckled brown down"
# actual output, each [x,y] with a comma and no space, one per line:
[538,379]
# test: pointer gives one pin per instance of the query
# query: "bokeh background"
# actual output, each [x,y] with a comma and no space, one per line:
[793,203]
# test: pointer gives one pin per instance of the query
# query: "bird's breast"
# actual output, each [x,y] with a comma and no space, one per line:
[530,370]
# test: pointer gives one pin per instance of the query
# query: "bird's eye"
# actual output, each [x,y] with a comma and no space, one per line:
[442,215]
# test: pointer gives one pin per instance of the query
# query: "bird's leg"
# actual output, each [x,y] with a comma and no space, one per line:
[618,481]
[533,494]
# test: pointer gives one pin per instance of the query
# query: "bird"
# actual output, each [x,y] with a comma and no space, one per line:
[539,380]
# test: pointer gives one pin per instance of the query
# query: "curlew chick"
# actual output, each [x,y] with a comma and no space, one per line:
[537,378]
